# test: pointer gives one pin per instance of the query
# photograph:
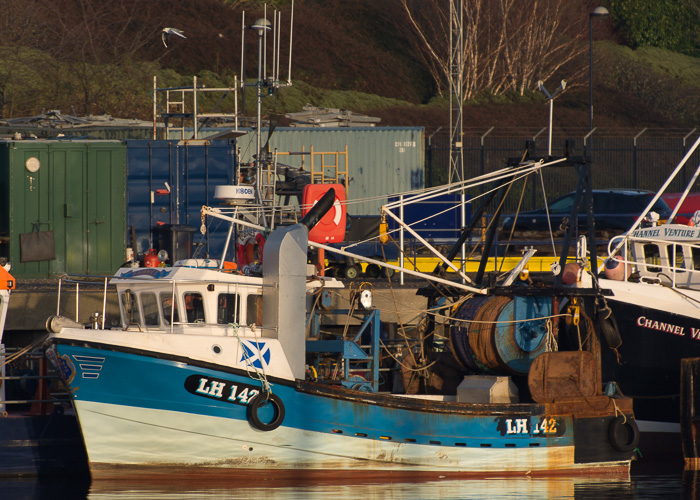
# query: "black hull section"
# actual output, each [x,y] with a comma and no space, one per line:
[653,343]
[600,439]
[40,446]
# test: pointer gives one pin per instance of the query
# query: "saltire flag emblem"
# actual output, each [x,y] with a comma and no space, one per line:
[255,354]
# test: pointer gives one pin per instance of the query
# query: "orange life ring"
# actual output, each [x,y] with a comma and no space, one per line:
[331,227]
[246,251]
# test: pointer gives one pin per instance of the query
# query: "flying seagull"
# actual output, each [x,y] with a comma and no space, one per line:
[168,32]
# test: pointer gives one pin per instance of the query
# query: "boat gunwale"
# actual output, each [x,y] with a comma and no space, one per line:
[583,407]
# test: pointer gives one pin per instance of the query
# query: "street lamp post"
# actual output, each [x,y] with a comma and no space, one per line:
[551,97]
[260,27]
[597,12]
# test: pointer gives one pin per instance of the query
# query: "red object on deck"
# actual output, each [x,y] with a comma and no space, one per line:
[7,281]
[331,227]
[151,259]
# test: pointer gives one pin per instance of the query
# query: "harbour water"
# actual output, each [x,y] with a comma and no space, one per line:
[647,481]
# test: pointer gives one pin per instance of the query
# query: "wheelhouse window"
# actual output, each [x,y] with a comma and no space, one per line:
[149,306]
[228,308]
[194,307]
[254,308]
[652,258]
[131,308]
[675,255]
[167,304]
[695,252]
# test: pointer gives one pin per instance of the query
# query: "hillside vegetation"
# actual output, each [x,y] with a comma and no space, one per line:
[91,57]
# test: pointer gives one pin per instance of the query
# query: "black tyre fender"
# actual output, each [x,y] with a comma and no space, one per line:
[609,329]
[623,433]
[254,406]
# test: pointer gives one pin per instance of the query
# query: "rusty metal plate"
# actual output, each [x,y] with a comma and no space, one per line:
[563,376]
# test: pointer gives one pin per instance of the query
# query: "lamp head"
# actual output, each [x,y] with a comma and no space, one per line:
[560,88]
[261,25]
[540,85]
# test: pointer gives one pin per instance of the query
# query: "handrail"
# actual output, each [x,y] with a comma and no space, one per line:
[664,269]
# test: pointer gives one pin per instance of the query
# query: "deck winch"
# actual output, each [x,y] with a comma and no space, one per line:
[500,334]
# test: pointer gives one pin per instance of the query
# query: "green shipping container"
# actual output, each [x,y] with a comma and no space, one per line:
[74,191]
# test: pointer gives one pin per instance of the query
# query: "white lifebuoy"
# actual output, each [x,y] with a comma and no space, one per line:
[337,217]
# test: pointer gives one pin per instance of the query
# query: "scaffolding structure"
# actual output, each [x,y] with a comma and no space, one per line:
[325,167]
[180,109]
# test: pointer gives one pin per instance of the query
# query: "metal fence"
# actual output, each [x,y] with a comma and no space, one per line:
[635,161]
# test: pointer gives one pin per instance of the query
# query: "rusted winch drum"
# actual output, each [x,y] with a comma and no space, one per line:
[502,335]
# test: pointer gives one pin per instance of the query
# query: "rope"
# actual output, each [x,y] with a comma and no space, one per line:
[318,293]
[619,412]
[402,363]
[512,228]
[546,207]
[421,357]
[550,338]
[267,389]
[352,299]
[13,357]
[481,337]
[456,320]
[578,333]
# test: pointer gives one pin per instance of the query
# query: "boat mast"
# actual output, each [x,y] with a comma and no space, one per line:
[456,82]
[253,192]
[265,86]
[261,27]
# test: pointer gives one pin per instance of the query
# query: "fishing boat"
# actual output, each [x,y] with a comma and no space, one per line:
[252,369]
[221,370]
[653,274]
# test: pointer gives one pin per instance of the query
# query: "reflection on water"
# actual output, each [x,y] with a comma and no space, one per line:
[651,483]
[30,489]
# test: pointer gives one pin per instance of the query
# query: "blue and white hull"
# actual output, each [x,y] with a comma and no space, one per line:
[141,409]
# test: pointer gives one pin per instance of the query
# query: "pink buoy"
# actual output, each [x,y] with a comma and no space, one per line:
[572,273]
[615,269]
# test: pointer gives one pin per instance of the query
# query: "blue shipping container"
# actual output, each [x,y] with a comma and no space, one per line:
[167,184]
[422,218]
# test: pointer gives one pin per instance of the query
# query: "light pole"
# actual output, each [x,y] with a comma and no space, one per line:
[597,12]
[551,97]
[260,26]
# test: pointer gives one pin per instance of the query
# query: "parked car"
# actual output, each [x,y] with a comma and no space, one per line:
[615,210]
[690,205]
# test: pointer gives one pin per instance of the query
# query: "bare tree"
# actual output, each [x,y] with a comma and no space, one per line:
[507,45]
[97,42]
[16,28]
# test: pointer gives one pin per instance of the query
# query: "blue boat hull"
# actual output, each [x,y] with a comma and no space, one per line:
[151,410]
